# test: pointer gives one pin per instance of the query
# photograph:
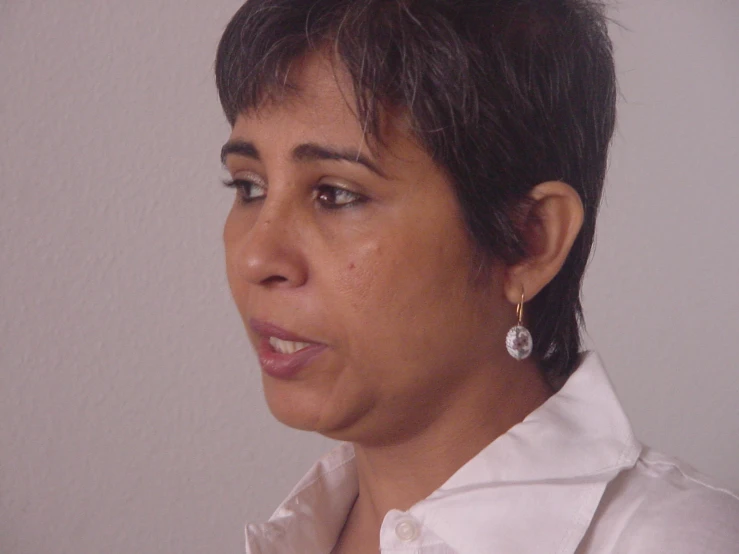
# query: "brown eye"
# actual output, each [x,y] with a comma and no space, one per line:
[332,197]
[247,189]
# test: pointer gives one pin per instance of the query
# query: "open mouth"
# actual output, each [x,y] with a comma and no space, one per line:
[287,346]
[283,354]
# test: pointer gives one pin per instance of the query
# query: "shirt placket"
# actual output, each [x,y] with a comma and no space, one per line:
[403,533]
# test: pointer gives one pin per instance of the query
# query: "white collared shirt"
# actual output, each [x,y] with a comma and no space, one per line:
[570,478]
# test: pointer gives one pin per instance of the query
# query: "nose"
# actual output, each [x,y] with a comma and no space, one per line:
[268,251]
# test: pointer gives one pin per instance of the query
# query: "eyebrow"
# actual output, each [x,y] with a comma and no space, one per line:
[307,152]
[239,147]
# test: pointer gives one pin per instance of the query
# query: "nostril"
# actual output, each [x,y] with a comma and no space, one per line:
[274,280]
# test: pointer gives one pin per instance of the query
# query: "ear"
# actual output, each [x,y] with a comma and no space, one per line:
[550,228]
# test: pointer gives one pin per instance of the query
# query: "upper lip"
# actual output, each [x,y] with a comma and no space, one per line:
[267,330]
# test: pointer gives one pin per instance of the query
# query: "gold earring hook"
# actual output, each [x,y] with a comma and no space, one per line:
[519,309]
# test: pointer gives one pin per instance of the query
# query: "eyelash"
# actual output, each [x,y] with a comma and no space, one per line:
[242,186]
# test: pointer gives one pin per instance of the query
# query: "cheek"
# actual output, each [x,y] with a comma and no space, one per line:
[233,231]
[357,280]
[401,295]
[229,245]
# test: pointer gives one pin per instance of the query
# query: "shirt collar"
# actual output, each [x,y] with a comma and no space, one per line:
[579,432]
[548,471]
[312,516]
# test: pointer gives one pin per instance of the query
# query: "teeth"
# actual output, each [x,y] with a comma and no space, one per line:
[287,346]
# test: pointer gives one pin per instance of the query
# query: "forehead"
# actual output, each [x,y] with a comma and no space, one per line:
[317,104]
[315,87]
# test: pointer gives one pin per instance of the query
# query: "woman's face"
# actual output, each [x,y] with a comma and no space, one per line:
[352,270]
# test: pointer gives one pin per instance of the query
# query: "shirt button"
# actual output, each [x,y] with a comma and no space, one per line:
[407,530]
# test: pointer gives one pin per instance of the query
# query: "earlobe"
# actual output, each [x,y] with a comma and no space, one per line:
[554,221]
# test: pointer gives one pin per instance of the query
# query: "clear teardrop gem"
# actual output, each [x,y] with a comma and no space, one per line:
[519,343]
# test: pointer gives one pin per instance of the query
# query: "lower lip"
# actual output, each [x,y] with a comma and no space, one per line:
[286,366]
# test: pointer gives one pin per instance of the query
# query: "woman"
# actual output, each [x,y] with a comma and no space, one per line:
[417,188]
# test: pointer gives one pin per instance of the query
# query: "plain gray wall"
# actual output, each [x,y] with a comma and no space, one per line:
[131,409]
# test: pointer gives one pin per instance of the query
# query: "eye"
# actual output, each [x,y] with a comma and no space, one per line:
[332,197]
[248,190]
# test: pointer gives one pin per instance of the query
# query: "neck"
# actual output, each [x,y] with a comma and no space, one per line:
[400,474]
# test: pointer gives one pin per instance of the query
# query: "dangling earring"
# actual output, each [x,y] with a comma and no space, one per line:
[518,341]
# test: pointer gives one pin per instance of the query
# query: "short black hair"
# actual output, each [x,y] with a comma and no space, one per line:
[503,94]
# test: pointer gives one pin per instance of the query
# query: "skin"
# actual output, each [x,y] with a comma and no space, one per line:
[416,374]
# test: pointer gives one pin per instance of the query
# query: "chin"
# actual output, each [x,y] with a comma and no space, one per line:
[307,410]
[295,405]
[291,410]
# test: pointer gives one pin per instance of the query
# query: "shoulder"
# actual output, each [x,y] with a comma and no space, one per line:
[663,505]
